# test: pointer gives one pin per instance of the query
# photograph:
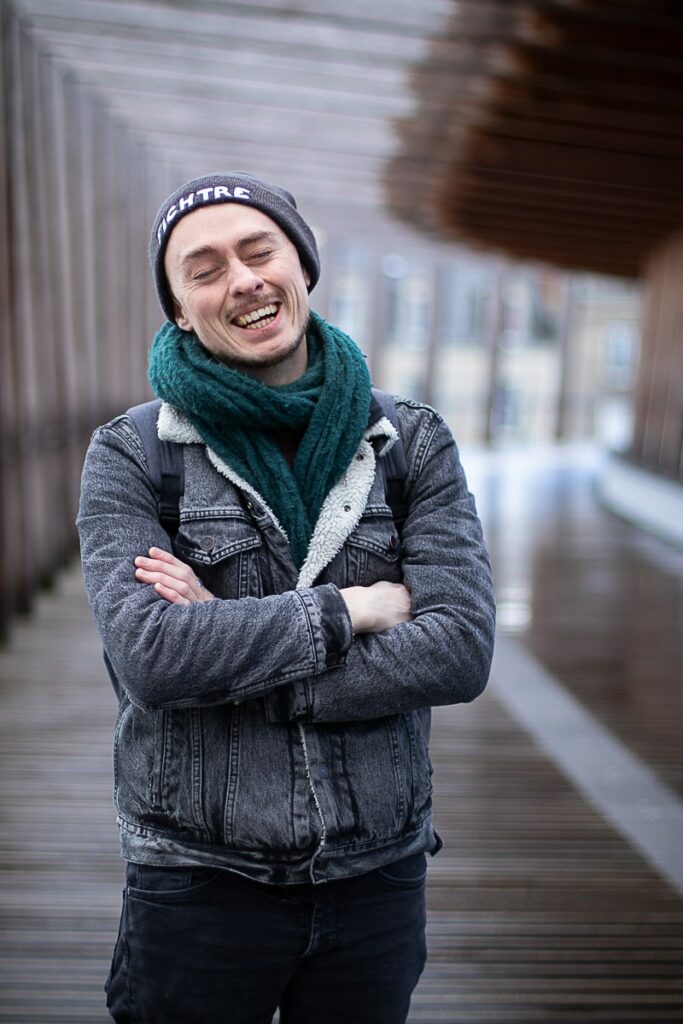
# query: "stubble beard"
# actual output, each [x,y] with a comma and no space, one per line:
[256,362]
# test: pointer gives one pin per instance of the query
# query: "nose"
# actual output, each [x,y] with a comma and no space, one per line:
[243,279]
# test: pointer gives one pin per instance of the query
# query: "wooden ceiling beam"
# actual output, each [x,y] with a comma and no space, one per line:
[165,108]
[486,87]
[459,177]
[398,19]
[605,139]
[292,69]
[568,27]
[323,184]
[301,93]
[546,248]
[109,20]
[660,12]
[171,85]
[527,101]
[357,163]
[571,220]
[578,164]
[572,227]
[234,29]
[555,198]
[536,62]
[559,147]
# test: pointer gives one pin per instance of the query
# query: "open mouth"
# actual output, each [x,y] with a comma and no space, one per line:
[261,317]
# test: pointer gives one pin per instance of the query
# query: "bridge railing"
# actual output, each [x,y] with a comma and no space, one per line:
[77,196]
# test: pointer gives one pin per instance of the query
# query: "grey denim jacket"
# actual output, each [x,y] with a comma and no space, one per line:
[256,732]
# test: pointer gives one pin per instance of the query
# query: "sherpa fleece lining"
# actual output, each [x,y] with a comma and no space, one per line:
[343,507]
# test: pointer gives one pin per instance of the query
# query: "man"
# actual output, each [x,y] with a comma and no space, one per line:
[277,660]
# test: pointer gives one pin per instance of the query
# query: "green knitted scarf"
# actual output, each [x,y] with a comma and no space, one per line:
[233,413]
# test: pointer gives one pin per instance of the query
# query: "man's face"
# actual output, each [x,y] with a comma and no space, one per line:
[238,283]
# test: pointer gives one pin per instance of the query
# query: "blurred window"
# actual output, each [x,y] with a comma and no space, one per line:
[348,303]
[409,303]
[619,354]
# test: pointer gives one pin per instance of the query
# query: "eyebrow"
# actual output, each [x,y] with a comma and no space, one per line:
[257,236]
[195,254]
[243,243]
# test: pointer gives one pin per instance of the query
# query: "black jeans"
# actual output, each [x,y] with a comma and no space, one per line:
[205,946]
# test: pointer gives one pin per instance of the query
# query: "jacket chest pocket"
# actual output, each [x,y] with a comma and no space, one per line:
[373,550]
[224,553]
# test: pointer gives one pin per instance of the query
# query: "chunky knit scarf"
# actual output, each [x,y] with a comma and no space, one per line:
[234,413]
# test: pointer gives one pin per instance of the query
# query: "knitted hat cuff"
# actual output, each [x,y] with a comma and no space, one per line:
[229,187]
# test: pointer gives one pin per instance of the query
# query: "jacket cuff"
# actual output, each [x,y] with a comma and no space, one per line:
[332,630]
[332,635]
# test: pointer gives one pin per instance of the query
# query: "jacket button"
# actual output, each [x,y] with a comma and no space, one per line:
[393,542]
[323,772]
[347,508]
[207,543]
[332,659]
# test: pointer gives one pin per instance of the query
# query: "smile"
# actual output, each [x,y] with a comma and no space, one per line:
[258,317]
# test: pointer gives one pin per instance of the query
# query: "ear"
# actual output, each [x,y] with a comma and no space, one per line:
[179,316]
[307,276]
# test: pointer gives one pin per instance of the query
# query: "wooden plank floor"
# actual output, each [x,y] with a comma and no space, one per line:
[60,873]
[538,910]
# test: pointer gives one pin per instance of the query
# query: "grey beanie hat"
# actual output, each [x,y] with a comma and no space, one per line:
[229,187]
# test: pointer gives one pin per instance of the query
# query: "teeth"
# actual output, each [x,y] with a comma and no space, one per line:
[258,314]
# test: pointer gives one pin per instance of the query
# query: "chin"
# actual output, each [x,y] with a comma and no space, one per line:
[269,357]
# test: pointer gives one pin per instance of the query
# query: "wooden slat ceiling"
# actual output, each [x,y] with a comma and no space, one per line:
[303,92]
[560,136]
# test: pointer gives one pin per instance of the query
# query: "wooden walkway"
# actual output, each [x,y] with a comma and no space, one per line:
[60,873]
[604,599]
[538,910]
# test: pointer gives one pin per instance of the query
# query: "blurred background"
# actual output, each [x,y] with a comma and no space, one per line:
[495,188]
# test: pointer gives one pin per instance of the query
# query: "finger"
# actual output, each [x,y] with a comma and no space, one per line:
[164,556]
[170,595]
[159,555]
[181,587]
[177,569]
[190,590]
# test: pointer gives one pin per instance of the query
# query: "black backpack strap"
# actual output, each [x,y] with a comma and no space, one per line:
[393,465]
[166,471]
[164,463]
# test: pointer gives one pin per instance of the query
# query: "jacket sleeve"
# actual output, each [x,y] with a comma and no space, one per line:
[443,656]
[172,656]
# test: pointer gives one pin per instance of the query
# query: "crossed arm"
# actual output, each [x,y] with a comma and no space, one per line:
[372,609]
[319,652]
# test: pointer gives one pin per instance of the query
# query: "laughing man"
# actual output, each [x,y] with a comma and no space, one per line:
[276,658]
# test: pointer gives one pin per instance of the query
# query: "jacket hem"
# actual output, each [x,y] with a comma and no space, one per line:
[144,845]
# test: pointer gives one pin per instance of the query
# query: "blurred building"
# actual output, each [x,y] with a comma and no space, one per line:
[508,353]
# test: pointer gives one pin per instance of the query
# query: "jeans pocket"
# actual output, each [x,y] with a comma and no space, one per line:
[408,873]
[168,884]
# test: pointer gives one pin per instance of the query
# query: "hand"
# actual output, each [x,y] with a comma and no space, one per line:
[378,607]
[171,578]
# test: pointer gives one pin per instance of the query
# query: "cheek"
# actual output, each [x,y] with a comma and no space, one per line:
[300,293]
[201,304]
